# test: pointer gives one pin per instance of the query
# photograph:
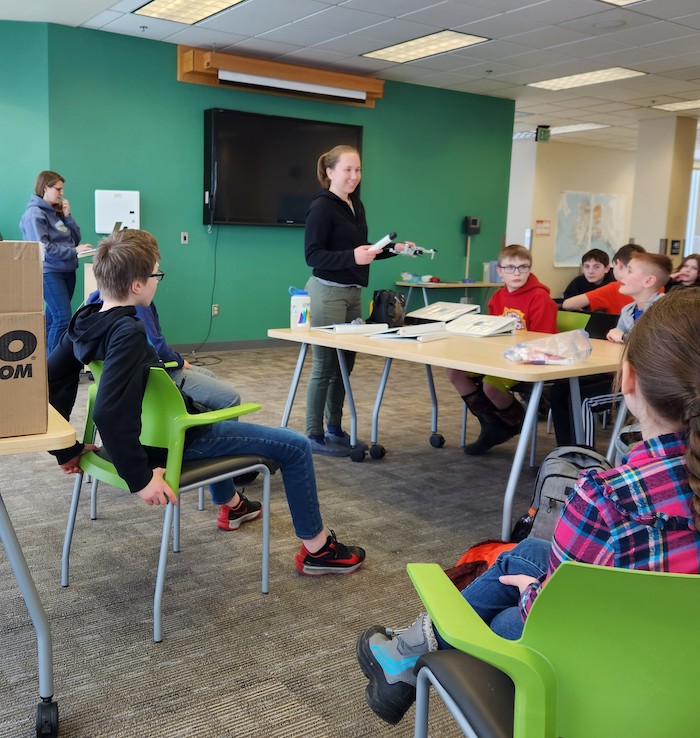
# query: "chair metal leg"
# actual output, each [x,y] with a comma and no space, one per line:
[463,439]
[422,703]
[200,499]
[160,576]
[70,526]
[176,526]
[93,499]
[424,679]
[265,585]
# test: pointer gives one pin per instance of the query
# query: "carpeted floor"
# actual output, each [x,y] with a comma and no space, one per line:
[234,662]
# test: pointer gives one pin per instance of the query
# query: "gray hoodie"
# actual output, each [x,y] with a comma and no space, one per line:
[58,235]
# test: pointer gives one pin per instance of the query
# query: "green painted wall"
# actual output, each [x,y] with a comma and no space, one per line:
[107,112]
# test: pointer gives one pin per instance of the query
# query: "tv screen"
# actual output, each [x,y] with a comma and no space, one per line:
[261,169]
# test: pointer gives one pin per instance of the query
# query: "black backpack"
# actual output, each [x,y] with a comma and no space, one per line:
[388,307]
[555,480]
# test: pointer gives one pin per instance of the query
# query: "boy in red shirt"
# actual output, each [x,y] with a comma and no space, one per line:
[607,298]
[526,299]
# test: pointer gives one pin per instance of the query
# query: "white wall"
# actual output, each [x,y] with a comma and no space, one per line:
[573,167]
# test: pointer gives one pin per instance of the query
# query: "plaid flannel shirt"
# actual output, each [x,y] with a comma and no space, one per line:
[636,516]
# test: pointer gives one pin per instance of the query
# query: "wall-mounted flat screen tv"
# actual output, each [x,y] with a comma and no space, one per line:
[261,169]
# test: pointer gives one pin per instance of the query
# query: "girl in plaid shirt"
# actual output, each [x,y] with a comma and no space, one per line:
[644,514]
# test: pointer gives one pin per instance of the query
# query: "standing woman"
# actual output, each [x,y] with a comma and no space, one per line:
[336,248]
[47,219]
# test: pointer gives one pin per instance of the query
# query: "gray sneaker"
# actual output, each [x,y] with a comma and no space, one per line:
[388,661]
[344,441]
[328,449]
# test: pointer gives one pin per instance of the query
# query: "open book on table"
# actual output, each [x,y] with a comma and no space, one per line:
[482,325]
[422,333]
[442,311]
[356,328]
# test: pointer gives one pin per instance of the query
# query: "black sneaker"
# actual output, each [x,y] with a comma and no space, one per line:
[388,701]
[333,558]
[231,518]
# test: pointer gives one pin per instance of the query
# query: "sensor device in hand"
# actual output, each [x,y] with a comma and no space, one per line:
[382,242]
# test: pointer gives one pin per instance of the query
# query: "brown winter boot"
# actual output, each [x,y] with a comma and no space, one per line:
[493,430]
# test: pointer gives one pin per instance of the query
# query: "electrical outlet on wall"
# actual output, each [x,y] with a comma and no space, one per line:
[214,311]
[184,238]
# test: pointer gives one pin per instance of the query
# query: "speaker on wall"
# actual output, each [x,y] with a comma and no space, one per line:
[470,225]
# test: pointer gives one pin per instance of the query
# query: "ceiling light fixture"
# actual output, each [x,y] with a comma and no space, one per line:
[185,11]
[672,107]
[419,48]
[612,74]
[621,3]
[576,127]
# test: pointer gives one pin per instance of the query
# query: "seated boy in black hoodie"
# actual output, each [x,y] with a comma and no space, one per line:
[126,270]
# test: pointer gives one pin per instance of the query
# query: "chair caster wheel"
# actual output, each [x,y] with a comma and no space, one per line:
[437,440]
[47,719]
[357,454]
[377,451]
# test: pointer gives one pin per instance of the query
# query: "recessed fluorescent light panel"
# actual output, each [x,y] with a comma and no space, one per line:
[621,2]
[576,128]
[687,105]
[185,11]
[419,48]
[612,74]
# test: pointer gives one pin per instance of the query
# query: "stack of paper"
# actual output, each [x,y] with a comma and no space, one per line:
[356,328]
[421,333]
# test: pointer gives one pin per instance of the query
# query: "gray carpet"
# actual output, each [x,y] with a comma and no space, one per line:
[234,662]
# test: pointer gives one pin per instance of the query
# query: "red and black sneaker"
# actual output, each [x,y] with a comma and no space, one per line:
[230,518]
[333,558]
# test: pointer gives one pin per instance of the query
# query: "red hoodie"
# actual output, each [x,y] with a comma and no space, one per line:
[530,304]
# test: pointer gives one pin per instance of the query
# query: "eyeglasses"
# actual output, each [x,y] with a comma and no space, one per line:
[158,275]
[510,269]
[54,187]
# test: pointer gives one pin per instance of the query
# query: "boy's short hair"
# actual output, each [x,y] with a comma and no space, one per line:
[514,251]
[626,252]
[656,265]
[596,255]
[121,259]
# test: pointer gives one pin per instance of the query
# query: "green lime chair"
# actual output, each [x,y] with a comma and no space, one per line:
[164,421]
[604,653]
[571,320]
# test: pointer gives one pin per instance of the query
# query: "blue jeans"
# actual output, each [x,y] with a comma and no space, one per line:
[496,603]
[204,386]
[287,448]
[325,393]
[58,290]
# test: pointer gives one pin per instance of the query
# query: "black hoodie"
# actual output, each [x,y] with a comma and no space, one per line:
[331,234]
[117,338]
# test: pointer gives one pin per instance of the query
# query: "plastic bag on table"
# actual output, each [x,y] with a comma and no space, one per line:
[570,347]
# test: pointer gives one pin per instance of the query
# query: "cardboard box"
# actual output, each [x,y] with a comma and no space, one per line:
[22,278]
[23,375]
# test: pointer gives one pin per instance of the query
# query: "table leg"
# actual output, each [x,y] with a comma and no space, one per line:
[575,395]
[33,603]
[356,454]
[295,383]
[619,422]
[425,296]
[378,402]
[529,427]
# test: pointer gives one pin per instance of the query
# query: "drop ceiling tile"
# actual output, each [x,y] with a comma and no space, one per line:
[262,48]
[667,9]
[598,24]
[340,20]
[151,28]
[548,37]
[391,8]
[204,38]
[652,33]
[449,14]
[560,11]
[299,34]
[101,19]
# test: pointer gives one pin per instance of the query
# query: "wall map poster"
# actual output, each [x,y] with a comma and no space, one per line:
[586,220]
